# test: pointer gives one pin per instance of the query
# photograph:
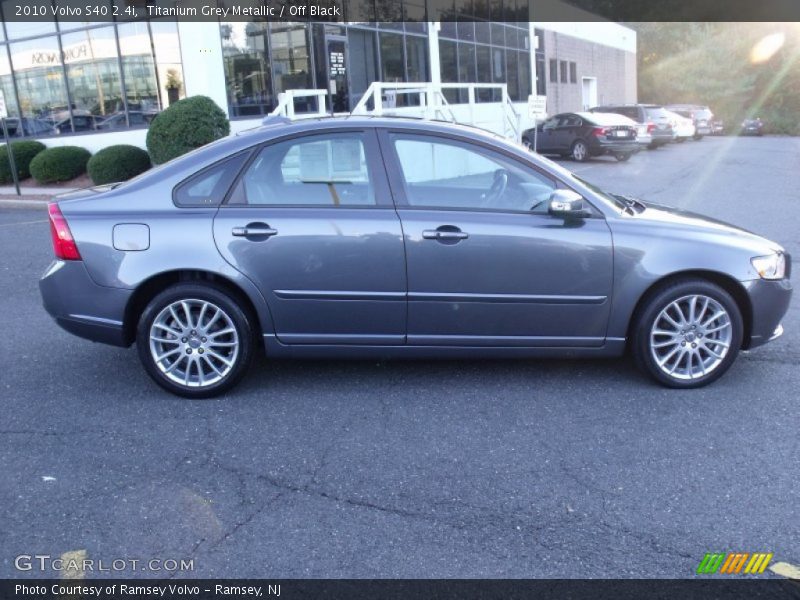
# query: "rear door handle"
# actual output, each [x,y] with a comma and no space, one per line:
[254,230]
[444,234]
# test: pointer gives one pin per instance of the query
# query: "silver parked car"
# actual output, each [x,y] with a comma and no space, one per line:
[362,237]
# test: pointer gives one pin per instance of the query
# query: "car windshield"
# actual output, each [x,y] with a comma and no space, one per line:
[655,112]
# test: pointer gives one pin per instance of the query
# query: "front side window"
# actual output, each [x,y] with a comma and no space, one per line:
[319,170]
[449,174]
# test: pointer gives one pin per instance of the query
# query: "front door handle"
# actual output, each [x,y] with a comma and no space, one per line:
[256,230]
[445,233]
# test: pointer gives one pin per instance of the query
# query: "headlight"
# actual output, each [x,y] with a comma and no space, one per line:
[770,267]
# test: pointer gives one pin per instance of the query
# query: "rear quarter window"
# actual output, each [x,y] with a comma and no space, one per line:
[209,186]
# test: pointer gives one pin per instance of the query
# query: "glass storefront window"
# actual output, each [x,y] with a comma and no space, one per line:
[138,67]
[40,81]
[392,57]
[93,77]
[22,29]
[417,58]
[7,85]
[291,66]
[248,77]
[169,66]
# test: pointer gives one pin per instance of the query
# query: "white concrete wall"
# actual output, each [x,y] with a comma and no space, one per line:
[608,34]
[203,69]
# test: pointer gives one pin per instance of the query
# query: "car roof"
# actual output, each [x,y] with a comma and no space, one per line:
[605,118]
[279,126]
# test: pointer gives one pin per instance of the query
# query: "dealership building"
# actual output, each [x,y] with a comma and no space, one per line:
[95,84]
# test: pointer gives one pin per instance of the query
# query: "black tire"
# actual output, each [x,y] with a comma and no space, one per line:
[622,156]
[576,153]
[652,307]
[230,307]
[697,137]
[652,146]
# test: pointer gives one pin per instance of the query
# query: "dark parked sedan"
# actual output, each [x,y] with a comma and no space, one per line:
[752,127]
[582,135]
[367,237]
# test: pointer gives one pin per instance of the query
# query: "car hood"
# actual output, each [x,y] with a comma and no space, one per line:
[688,221]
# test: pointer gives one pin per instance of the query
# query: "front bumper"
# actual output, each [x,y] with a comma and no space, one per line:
[769,301]
[82,307]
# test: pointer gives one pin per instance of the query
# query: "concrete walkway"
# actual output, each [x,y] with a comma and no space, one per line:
[30,196]
[31,190]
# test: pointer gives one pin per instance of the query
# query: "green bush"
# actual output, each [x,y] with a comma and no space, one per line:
[185,125]
[117,163]
[59,164]
[23,155]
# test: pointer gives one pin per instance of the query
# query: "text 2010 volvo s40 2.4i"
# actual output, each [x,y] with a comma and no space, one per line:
[363,237]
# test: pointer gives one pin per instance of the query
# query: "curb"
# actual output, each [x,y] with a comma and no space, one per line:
[6,203]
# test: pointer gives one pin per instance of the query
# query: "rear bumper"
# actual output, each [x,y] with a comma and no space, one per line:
[615,147]
[770,301]
[82,307]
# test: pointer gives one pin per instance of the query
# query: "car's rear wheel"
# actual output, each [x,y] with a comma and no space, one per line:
[195,340]
[687,334]
[580,151]
[622,156]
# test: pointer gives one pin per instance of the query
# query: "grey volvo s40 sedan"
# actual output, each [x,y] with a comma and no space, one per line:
[363,237]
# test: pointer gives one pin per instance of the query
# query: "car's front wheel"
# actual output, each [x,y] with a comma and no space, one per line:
[688,334]
[195,340]
[622,156]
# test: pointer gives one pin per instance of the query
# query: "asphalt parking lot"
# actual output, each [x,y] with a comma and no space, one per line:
[411,469]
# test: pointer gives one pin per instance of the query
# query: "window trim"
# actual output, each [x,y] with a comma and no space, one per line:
[382,189]
[398,184]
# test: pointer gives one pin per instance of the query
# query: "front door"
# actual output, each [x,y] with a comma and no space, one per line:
[338,85]
[487,264]
[312,223]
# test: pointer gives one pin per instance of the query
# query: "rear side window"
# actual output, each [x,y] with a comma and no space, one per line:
[631,112]
[318,170]
[209,186]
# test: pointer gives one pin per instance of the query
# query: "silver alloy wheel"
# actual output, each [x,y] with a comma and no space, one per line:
[194,343]
[691,336]
[579,151]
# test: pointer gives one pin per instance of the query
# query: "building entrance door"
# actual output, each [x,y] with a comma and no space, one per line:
[589,92]
[338,82]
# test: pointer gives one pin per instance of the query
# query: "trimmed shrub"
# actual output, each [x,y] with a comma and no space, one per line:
[185,125]
[61,163]
[117,163]
[23,155]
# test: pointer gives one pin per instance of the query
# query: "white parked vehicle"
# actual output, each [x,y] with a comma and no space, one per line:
[684,128]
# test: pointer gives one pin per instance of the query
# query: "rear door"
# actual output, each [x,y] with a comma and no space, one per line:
[569,130]
[311,221]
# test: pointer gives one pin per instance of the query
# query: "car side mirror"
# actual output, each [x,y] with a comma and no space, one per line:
[567,204]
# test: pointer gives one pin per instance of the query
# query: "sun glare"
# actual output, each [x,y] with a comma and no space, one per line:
[766,47]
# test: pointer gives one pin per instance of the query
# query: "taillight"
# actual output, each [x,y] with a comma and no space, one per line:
[598,131]
[651,127]
[63,242]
